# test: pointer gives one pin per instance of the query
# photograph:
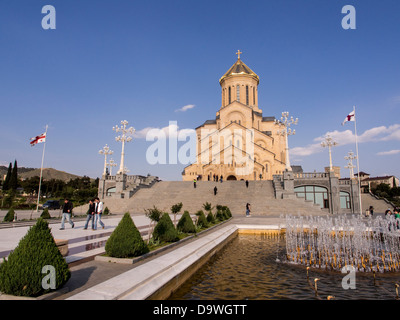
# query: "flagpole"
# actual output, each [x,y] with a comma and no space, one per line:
[358,160]
[41,171]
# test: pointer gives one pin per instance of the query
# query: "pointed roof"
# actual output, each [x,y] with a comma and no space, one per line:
[239,68]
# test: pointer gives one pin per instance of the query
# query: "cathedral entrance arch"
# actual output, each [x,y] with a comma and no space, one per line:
[231,178]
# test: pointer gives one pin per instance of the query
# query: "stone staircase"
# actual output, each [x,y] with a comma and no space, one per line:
[380,205]
[234,194]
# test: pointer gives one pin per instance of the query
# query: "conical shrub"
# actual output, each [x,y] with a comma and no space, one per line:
[23,273]
[9,217]
[186,224]
[210,218]
[165,231]
[126,241]
[202,220]
[45,214]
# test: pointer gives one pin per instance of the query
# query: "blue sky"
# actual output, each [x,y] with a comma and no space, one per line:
[140,61]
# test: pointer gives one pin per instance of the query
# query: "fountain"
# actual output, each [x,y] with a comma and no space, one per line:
[334,243]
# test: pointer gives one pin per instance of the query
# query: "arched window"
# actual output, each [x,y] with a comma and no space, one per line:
[345,202]
[319,195]
[247,95]
[237,93]
[229,95]
[254,96]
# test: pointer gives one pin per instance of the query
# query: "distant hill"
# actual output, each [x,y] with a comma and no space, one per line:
[48,173]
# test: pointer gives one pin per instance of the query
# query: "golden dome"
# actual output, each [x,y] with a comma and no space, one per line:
[239,68]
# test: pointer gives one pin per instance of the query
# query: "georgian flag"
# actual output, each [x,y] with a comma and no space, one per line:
[38,139]
[350,117]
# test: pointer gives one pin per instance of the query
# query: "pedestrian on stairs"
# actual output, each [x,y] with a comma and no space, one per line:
[67,213]
[98,213]
[247,210]
[215,190]
[90,214]
[194,183]
[247,183]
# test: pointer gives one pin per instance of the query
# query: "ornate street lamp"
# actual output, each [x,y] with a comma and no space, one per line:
[111,164]
[329,143]
[285,131]
[350,157]
[106,151]
[124,137]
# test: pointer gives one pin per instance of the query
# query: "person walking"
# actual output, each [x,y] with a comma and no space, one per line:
[248,210]
[215,190]
[67,213]
[371,210]
[247,183]
[98,213]
[90,214]
[194,183]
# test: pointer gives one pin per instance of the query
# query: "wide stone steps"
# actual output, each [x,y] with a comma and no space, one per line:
[234,194]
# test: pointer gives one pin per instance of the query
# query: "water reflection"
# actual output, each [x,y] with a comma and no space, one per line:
[247,268]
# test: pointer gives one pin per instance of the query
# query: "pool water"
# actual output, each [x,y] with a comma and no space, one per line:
[247,268]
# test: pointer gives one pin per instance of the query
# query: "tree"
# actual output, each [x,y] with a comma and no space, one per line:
[9,217]
[175,209]
[126,241]
[22,273]
[14,177]
[6,184]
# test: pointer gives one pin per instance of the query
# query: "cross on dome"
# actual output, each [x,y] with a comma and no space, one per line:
[238,54]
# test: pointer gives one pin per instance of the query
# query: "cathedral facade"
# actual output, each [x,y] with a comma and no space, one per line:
[240,143]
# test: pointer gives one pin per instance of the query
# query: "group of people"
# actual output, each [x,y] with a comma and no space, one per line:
[94,213]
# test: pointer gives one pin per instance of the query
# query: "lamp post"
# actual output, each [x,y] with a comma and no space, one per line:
[111,164]
[124,137]
[350,157]
[106,151]
[285,130]
[329,143]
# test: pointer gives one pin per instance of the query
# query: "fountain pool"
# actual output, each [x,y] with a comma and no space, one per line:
[247,268]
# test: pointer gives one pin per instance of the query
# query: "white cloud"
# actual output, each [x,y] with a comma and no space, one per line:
[170,131]
[185,108]
[388,153]
[346,137]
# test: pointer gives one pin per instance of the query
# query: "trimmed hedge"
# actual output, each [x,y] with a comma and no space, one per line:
[126,241]
[185,223]
[165,231]
[21,274]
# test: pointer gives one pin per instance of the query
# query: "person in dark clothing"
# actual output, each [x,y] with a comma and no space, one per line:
[371,210]
[194,183]
[90,214]
[215,190]
[247,209]
[247,183]
[67,213]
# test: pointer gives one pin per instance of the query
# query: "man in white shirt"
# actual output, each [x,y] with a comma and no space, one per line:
[98,213]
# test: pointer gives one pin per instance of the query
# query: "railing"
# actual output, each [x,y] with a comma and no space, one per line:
[311,175]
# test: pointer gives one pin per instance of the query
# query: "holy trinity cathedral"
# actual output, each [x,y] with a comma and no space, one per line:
[240,143]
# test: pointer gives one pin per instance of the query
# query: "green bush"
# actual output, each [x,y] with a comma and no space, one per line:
[210,218]
[186,224]
[45,214]
[9,217]
[126,241]
[21,274]
[220,215]
[202,220]
[153,214]
[106,211]
[165,231]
